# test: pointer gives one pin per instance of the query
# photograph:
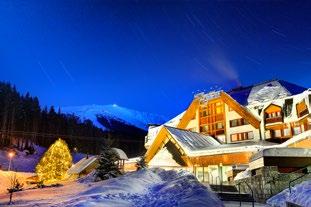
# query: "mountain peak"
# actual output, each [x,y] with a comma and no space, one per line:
[114,111]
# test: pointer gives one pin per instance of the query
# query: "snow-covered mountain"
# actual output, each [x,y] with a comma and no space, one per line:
[115,113]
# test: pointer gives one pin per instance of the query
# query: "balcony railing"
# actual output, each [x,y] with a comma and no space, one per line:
[304,112]
[274,119]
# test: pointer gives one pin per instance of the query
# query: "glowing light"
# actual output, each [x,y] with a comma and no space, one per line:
[11,155]
[55,163]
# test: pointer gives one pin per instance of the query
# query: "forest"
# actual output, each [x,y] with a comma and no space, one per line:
[24,123]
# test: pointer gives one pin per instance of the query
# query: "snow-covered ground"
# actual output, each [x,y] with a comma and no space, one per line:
[5,179]
[144,188]
[27,163]
[129,116]
[300,194]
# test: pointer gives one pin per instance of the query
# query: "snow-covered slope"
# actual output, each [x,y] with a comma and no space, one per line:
[299,195]
[144,188]
[128,116]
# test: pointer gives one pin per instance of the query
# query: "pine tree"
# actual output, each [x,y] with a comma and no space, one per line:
[107,167]
[141,163]
[55,163]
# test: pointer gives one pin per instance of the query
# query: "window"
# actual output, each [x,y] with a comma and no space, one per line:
[250,135]
[234,137]
[204,128]
[287,132]
[302,109]
[297,130]
[288,105]
[238,122]
[242,136]
[218,110]
[277,133]
[219,125]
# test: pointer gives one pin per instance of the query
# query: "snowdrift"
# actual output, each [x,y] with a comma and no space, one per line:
[141,189]
[301,195]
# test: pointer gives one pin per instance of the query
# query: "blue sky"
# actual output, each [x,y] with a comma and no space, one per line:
[150,56]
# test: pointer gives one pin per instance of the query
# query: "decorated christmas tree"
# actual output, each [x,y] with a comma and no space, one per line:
[55,163]
[107,167]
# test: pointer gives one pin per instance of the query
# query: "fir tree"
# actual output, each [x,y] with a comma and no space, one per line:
[107,167]
[141,163]
[55,163]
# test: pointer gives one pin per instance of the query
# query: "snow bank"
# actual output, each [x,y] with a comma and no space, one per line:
[301,195]
[143,188]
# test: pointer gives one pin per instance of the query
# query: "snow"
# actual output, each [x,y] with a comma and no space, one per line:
[244,174]
[21,161]
[267,92]
[175,121]
[129,116]
[192,140]
[163,159]
[300,195]
[5,179]
[143,188]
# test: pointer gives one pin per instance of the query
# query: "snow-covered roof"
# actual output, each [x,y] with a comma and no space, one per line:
[266,91]
[82,165]
[282,152]
[175,121]
[246,146]
[121,154]
[192,140]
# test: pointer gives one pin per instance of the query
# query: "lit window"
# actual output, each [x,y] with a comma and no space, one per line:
[250,135]
[234,137]
[277,133]
[297,130]
[219,125]
[218,110]
[287,132]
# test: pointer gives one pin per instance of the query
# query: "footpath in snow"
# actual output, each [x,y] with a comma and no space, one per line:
[143,188]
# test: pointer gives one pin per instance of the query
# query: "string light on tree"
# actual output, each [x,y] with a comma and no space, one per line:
[55,163]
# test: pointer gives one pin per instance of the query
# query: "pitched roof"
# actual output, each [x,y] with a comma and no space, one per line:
[121,154]
[82,165]
[242,94]
[192,140]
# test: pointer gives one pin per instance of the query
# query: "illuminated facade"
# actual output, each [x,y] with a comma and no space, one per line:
[242,121]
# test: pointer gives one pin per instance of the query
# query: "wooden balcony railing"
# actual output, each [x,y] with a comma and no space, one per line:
[274,119]
[304,112]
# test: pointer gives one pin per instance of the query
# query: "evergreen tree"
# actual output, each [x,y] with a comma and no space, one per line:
[55,162]
[141,163]
[107,167]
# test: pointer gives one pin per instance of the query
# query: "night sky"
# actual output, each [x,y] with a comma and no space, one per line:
[150,56]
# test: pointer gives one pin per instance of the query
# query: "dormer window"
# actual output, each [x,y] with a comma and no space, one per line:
[302,109]
[288,105]
[273,113]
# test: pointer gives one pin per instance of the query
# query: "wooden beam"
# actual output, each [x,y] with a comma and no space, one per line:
[190,112]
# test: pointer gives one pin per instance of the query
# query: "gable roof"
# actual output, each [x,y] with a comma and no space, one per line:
[192,140]
[186,141]
[242,94]
[83,164]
